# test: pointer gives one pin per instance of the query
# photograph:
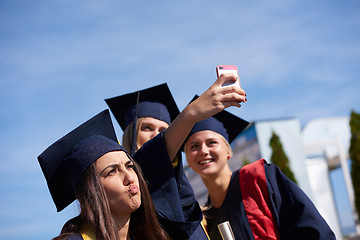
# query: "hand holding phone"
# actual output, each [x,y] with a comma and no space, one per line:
[228,69]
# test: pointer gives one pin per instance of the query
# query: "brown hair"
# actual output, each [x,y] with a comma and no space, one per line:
[127,138]
[95,211]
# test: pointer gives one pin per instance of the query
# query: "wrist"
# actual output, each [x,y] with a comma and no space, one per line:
[189,115]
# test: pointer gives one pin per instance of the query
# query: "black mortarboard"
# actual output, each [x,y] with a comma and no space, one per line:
[65,161]
[224,123]
[156,102]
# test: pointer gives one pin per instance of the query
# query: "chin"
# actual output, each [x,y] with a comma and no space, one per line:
[207,172]
[136,203]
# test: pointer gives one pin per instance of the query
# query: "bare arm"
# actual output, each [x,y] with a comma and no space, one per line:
[212,101]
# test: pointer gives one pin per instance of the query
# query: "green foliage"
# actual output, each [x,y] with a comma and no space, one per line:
[246,161]
[279,158]
[354,152]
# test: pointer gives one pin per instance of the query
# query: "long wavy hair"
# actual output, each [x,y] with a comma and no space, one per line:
[95,211]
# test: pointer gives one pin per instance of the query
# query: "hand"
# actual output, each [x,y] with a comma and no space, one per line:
[212,101]
[217,98]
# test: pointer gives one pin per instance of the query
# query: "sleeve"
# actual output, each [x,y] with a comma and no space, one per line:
[169,187]
[294,212]
[155,163]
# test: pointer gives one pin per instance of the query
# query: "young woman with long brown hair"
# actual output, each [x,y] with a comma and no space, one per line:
[89,165]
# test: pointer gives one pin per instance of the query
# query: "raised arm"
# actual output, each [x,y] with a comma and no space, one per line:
[212,101]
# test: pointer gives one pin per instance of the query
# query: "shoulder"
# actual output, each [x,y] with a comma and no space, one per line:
[253,169]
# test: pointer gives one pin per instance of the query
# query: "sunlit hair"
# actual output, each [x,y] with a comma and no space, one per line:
[96,213]
[221,137]
[128,135]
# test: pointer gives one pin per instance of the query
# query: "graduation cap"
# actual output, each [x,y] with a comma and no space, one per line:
[156,102]
[65,161]
[224,123]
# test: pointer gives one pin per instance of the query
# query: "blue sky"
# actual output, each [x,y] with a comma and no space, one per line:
[59,59]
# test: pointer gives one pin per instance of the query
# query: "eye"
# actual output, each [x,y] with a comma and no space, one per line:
[194,146]
[130,166]
[111,172]
[213,142]
[146,128]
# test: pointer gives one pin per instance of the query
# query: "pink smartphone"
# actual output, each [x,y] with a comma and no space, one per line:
[228,69]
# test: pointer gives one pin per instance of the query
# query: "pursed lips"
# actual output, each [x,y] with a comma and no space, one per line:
[134,189]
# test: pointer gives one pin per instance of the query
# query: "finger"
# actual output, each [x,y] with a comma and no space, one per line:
[229,97]
[242,92]
[224,77]
[231,104]
[232,89]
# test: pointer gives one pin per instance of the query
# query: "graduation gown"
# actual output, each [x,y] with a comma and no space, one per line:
[262,203]
[170,190]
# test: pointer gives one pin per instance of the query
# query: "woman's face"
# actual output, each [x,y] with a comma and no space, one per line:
[207,153]
[149,128]
[120,182]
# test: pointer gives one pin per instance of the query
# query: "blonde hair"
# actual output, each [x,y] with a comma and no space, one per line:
[128,135]
[221,137]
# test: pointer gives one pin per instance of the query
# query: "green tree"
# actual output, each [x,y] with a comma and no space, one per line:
[246,161]
[279,158]
[354,152]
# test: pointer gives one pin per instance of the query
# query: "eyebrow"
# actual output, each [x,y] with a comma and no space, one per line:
[115,165]
[208,139]
[193,142]
[212,139]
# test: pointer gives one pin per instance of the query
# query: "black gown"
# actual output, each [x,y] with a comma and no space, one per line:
[294,215]
[171,192]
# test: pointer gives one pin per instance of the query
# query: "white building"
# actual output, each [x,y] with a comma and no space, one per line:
[326,143]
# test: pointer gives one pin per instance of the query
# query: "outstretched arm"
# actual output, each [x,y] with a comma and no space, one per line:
[212,101]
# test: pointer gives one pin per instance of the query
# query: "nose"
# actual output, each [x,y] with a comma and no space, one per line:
[204,150]
[128,178]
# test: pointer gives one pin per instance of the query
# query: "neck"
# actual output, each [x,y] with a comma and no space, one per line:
[217,186]
[123,227]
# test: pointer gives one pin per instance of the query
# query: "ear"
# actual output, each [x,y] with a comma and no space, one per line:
[229,155]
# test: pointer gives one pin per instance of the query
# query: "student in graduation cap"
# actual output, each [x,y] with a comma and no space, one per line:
[143,114]
[159,157]
[258,200]
[89,165]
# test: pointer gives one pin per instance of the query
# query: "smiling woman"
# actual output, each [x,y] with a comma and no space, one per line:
[257,200]
[89,165]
